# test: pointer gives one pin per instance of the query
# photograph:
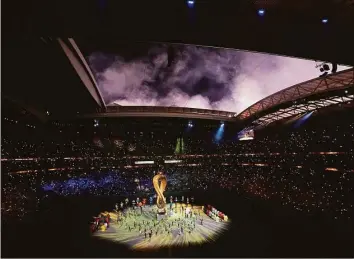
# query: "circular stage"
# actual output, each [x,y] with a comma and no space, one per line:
[143,228]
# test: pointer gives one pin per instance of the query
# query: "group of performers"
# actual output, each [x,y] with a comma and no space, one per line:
[143,202]
[215,214]
[127,209]
[101,222]
[191,200]
[184,223]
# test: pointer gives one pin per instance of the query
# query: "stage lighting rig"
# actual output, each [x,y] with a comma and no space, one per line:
[324,68]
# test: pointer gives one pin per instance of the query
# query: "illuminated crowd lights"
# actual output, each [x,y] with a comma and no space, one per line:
[131,147]
[266,182]
[260,168]
[118,143]
[98,142]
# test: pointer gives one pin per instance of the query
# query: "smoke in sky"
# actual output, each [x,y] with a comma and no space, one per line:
[196,77]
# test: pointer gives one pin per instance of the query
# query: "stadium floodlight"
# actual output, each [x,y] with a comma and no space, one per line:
[325,68]
[190,3]
[219,133]
[261,12]
[190,124]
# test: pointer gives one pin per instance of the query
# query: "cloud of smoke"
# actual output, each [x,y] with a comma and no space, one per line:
[199,77]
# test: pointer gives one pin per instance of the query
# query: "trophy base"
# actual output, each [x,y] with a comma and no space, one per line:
[161,216]
[161,211]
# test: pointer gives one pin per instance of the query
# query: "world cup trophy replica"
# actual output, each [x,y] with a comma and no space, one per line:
[159,181]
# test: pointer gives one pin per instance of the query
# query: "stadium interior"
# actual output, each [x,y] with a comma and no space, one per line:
[281,168]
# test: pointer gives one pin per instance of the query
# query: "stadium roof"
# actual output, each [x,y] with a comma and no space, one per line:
[342,99]
[340,80]
[305,97]
[39,74]
[159,111]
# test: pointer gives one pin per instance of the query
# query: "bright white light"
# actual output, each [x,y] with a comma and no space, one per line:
[144,162]
[172,161]
[246,138]
[324,20]
[261,12]
[190,3]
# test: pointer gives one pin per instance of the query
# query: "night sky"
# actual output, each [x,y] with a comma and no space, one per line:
[193,76]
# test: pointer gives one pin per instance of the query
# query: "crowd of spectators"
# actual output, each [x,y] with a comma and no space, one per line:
[310,169]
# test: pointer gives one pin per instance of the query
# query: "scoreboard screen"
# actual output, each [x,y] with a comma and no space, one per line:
[246,135]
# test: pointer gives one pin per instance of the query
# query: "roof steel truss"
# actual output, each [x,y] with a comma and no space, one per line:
[335,81]
[300,109]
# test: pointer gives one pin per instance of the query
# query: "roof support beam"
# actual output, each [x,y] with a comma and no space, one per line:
[84,74]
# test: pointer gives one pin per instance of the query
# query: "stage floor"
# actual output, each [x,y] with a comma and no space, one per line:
[173,230]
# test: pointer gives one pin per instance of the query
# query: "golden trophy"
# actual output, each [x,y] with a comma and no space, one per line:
[159,181]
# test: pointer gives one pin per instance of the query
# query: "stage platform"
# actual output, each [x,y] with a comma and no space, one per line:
[174,230]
